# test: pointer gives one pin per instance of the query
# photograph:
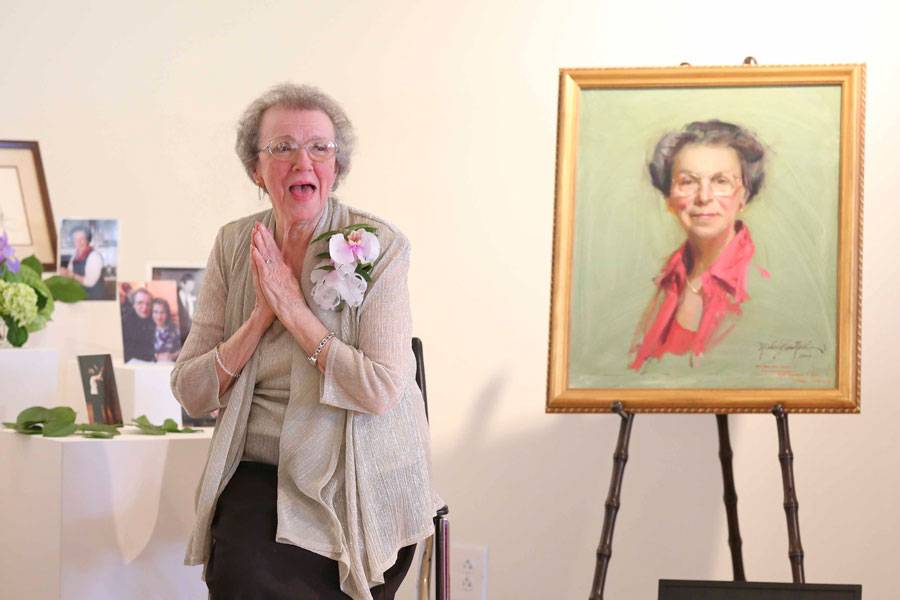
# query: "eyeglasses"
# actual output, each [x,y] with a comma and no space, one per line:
[722,186]
[287,148]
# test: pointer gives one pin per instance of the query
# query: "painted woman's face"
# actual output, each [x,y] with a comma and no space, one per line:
[707,192]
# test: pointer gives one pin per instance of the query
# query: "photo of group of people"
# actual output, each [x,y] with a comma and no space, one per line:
[150,328]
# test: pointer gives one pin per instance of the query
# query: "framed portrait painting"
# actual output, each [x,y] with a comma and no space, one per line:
[706,253]
[25,213]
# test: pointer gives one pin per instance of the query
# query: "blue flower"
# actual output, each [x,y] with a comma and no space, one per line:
[8,254]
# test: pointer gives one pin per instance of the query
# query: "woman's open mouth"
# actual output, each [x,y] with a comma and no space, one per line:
[302,191]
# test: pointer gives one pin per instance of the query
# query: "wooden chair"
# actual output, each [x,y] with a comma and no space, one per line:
[437,546]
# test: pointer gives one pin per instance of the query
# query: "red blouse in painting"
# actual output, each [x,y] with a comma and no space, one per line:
[723,289]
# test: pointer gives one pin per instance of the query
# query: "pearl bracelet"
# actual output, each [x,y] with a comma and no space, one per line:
[222,364]
[314,357]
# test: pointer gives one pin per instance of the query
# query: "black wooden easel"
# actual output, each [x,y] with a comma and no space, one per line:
[791,506]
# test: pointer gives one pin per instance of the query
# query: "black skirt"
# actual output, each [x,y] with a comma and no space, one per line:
[246,563]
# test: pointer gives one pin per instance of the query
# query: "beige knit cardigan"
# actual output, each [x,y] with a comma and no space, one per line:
[352,485]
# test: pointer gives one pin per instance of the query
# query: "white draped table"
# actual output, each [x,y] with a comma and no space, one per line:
[99,519]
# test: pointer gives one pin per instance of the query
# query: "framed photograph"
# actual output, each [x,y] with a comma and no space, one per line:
[100,392]
[89,254]
[25,212]
[706,251]
[150,327]
[671,589]
[188,281]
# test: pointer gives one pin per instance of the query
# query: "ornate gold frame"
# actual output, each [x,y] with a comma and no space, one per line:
[845,395]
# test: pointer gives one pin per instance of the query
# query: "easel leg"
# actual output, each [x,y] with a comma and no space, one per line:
[730,497]
[620,457]
[791,506]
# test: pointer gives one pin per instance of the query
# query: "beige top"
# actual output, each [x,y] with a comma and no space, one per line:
[270,396]
[352,486]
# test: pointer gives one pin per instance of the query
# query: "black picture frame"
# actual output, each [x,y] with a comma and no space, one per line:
[677,589]
[101,395]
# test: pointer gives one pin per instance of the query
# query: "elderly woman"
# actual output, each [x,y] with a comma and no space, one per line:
[86,264]
[708,173]
[318,480]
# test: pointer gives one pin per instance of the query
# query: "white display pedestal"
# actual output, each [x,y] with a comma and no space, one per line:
[99,519]
[28,377]
[144,390]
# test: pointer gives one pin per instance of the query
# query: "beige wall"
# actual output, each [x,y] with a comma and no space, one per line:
[455,106]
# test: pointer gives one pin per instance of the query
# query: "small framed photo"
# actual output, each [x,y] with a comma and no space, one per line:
[100,393]
[89,254]
[25,212]
[150,324]
[706,252]
[188,281]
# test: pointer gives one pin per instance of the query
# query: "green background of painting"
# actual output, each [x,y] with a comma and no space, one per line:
[623,235]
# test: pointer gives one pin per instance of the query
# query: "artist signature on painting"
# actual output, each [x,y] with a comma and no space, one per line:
[789,349]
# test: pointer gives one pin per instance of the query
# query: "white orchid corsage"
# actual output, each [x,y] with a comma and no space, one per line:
[344,274]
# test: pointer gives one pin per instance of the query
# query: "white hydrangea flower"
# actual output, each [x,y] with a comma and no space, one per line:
[19,301]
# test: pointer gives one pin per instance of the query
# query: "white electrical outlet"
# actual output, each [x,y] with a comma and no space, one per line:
[468,572]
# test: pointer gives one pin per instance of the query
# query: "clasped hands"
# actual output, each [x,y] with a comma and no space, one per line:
[277,288]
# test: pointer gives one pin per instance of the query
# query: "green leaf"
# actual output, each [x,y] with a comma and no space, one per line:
[99,428]
[146,427]
[365,275]
[38,323]
[33,263]
[17,336]
[30,430]
[323,255]
[100,431]
[355,226]
[143,421]
[10,425]
[99,435]
[323,236]
[65,289]
[61,413]
[32,414]
[32,278]
[58,429]
[186,429]
[60,422]
[171,426]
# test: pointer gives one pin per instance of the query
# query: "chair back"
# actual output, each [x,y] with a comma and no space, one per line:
[420,370]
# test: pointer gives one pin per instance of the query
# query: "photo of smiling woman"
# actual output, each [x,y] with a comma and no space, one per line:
[708,173]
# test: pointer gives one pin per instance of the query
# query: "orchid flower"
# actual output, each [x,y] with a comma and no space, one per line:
[344,275]
[358,247]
